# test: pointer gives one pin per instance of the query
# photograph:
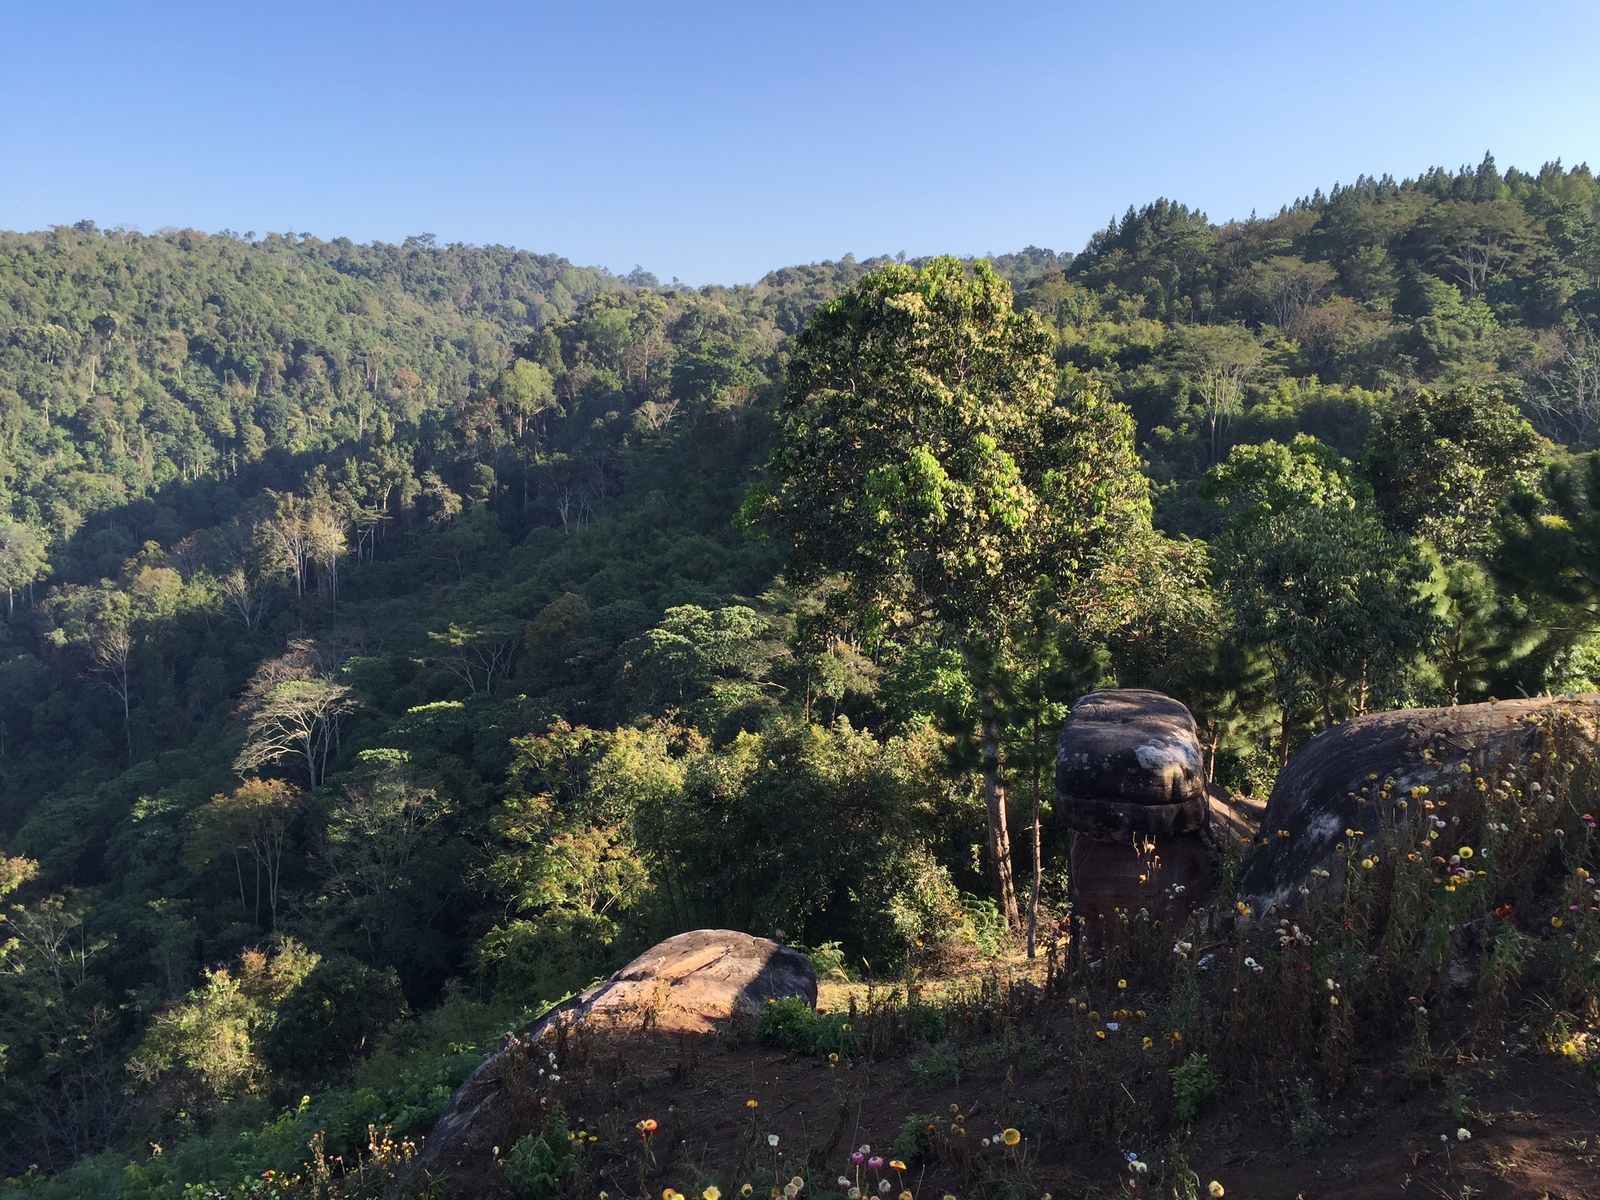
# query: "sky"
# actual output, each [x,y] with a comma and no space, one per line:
[713,142]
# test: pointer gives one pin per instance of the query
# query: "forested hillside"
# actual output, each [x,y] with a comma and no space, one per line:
[394,640]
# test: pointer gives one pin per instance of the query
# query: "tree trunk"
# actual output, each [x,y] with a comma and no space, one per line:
[994,799]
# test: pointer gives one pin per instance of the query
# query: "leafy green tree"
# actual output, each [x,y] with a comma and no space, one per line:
[294,708]
[1221,359]
[252,820]
[23,559]
[924,456]
[207,1048]
[1314,582]
[1442,464]
[329,1022]
[1551,543]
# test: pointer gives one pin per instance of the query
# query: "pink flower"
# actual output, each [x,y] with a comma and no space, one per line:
[875,1163]
[857,1157]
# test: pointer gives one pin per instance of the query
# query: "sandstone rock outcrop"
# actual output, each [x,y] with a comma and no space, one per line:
[1349,776]
[687,984]
[1131,789]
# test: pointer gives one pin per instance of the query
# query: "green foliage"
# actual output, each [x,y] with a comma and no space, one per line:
[792,1023]
[915,1139]
[332,1018]
[1194,1086]
[544,1167]
[433,544]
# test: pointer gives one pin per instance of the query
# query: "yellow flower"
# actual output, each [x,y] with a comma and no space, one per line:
[1556,921]
[751,1104]
[896,1165]
[1122,984]
[1214,1188]
[712,1193]
[746,1190]
[1465,851]
[1010,1136]
[1148,1043]
[1101,1034]
[905,1195]
[1569,1048]
[1333,1000]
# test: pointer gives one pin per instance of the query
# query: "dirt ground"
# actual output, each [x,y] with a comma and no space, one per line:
[1533,1120]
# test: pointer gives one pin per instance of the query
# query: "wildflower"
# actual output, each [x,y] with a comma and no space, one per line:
[1465,852]
[1588,819]
[750,1104]
[844,1181]
[883,1187]
[798,1183]
[858,1157]
[772,1140]
[1333,1000]
[1010,1136]
[875,1163]
[1463,1134]
[1569,1048]
[647,1126]
[905,1195]
[712,1193]
[896,1165]
[1214,1188]
[1113,1026]
[1101,1033]
[1148,1042]
[1122,984]
[854,1194]
[746,1190]
[1366,863]
[1556,922]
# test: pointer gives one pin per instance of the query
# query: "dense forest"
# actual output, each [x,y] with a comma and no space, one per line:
[399,637]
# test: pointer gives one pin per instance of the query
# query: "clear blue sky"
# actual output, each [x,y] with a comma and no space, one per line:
[716,141]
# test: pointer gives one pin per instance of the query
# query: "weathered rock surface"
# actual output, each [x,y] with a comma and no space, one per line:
[1128,763]
[1131,789]
[687,984]
[1319,792]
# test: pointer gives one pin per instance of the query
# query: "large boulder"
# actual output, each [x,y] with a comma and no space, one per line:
[1349,776]
[1128,763]
[690,984]
[1131,789]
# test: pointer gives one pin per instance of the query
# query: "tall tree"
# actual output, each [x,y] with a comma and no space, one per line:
[924,456]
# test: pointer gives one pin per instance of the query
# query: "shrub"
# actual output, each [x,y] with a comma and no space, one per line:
[544,1167]
[793,1024]
[1194,1085]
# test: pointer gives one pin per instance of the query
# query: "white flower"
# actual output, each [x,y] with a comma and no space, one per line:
[1113,1026]
[883,1187]
[1463,1134]
[772,1140]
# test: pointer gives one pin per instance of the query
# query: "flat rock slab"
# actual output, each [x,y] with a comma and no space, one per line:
[688,984]
[1128,763]
[1337,780]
